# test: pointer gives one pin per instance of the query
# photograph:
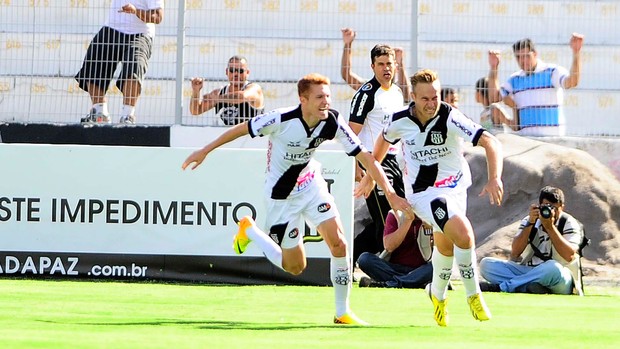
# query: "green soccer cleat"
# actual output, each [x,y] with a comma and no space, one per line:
[441,311]
[478,307]
[350,319]
[241,239]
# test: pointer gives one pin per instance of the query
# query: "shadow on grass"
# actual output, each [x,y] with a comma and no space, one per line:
[226,325]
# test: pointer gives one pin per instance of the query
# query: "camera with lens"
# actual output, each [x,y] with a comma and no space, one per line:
[546,210]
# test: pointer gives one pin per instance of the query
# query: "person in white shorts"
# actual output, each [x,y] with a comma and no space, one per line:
[295,189]
[436,179]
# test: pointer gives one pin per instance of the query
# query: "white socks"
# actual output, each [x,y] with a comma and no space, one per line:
[466,261]
[272,251]
[127,110]
[101,108]
[442,270]
[340,272]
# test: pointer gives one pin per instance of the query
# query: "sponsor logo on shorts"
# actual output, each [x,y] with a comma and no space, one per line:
[293,233]
[274,237]
[324,207]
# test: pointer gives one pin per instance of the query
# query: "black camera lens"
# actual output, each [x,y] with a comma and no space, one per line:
[545,211]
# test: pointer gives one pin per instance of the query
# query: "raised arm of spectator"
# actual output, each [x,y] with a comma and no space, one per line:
[494,94]
[576,42]
[252,94]
[200,104]
[401,74]
[352,79]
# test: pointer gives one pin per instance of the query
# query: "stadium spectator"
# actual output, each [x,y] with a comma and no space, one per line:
[355,81]
[450,96]
[537,90]
[370,108]
[494,117]
[297,189]
[544,255]
[234,103]
[126,37]
[405,262]
[437,177]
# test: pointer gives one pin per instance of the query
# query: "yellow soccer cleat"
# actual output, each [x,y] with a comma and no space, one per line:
[350,319]
[441,311]
[241,239]
[478,307]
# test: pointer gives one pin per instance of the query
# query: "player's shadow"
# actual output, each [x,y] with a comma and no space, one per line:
[221,325]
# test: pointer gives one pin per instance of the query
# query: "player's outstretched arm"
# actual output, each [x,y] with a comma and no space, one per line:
[196,158]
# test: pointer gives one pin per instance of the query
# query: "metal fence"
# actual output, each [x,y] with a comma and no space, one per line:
[43,42]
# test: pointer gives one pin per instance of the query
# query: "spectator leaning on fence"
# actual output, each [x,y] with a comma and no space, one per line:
[126,37]
[234,103]
[495,117]
[536,91]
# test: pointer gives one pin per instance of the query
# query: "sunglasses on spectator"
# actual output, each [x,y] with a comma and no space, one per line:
[236,70]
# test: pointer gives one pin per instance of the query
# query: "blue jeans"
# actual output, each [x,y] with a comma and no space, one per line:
[514,277]
[395,275]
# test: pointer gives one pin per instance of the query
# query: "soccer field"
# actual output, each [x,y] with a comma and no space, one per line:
[85,314]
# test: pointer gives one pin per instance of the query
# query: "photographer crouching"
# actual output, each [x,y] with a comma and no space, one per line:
[544,255]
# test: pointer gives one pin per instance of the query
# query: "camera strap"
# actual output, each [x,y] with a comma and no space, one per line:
[534,230]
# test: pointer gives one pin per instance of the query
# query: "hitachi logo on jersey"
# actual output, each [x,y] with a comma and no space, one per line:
[429,152]
[324,207]
[305,156]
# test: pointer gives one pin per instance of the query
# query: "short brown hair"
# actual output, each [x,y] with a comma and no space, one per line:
[303,85]
[422,77]
[381,50]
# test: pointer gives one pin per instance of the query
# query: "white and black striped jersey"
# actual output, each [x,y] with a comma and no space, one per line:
[290,166]
[371,107]
[433,153]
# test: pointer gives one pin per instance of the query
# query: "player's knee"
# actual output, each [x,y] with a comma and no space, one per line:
[294,268]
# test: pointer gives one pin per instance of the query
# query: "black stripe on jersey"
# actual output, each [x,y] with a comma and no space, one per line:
[440,127]
[477,137]
[327,131]
[364,101]
[402,114]
[292,114]
[287,182]
[427,176]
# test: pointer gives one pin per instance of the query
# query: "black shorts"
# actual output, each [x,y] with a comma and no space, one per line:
[107,49]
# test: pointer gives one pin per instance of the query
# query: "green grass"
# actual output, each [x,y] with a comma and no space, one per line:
[84,314]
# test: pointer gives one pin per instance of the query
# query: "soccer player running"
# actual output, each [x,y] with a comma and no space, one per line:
[295,189]
[437,176]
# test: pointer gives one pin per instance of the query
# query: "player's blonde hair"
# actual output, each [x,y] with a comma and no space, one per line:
[424,76]
[304,84]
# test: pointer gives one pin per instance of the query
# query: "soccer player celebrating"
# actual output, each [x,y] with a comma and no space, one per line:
[295,188]
[437,176]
